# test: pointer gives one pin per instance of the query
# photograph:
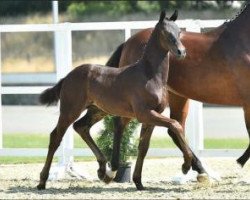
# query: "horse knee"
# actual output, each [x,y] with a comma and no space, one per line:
[175,127]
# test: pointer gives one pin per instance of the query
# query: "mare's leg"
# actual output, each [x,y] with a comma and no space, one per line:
[244,158]
[154,118]
[178,111]
[119,126]
[55,139]
[82,127]
[145,135]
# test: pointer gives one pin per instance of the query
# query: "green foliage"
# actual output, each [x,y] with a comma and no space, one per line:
[34,140]
[111,8]
[128,145]
[22,7]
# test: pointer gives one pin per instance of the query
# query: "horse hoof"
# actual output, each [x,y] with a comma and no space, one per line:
[106,179]
[240,163]
[185,168]
[139,186]
[203,178]
[100,174]
[41,187]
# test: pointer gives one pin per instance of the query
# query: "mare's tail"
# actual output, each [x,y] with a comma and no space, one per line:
[51,95]
[115,57]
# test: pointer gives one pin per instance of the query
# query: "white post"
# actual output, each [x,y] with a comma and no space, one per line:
[63,47]
[55,12]
[127,33]
[63,61]
[195,129]
[1,130]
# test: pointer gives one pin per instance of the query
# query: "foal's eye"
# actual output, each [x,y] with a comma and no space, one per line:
[172,39]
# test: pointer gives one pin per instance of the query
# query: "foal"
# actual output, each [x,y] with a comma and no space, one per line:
[136,91]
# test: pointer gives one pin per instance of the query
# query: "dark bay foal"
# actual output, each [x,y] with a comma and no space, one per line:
[136,91]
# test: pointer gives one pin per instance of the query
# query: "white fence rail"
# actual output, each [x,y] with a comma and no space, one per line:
[63,58]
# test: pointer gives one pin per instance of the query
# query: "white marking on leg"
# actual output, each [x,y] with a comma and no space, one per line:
[109,172]
[213,175]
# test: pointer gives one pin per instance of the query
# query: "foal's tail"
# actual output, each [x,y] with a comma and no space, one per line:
[51,95]
[115,57]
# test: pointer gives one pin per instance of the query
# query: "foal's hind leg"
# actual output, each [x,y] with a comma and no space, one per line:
[119,126]
[55,140]
[178,111]
[82,127]
[244,158]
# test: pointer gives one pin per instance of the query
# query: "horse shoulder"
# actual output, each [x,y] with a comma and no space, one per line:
[157,94]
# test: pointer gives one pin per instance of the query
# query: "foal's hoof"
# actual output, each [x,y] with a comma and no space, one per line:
[185,168]
[240,162]
[203,178]
[107,179]
[139,186]
[100,174]
[40,186]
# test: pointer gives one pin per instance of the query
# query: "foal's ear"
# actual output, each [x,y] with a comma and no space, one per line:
[174,16]
[162,16]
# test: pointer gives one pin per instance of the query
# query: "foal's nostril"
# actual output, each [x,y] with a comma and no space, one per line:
[179,52]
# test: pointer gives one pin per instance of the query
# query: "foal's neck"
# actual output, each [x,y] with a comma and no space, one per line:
[155,56]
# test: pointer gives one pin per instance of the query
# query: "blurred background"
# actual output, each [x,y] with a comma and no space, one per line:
[33,52]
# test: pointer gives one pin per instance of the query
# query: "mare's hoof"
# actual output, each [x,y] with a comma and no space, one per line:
[203,178]
[107,179]
[139,186]
[41,187]
[185,168]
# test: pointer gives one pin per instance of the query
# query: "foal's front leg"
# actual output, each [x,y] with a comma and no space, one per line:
[154,118]
[145,135]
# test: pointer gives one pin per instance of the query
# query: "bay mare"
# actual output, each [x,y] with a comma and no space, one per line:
[216,70]
[136,91]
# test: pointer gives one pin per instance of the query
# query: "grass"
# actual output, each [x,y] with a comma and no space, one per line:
[20,140]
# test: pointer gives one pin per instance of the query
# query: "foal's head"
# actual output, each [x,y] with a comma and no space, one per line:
[169,34]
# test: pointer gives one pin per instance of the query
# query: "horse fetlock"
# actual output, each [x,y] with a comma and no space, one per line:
[138,183]
[186,167]
[139,186]
[197,166]
[44,176]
